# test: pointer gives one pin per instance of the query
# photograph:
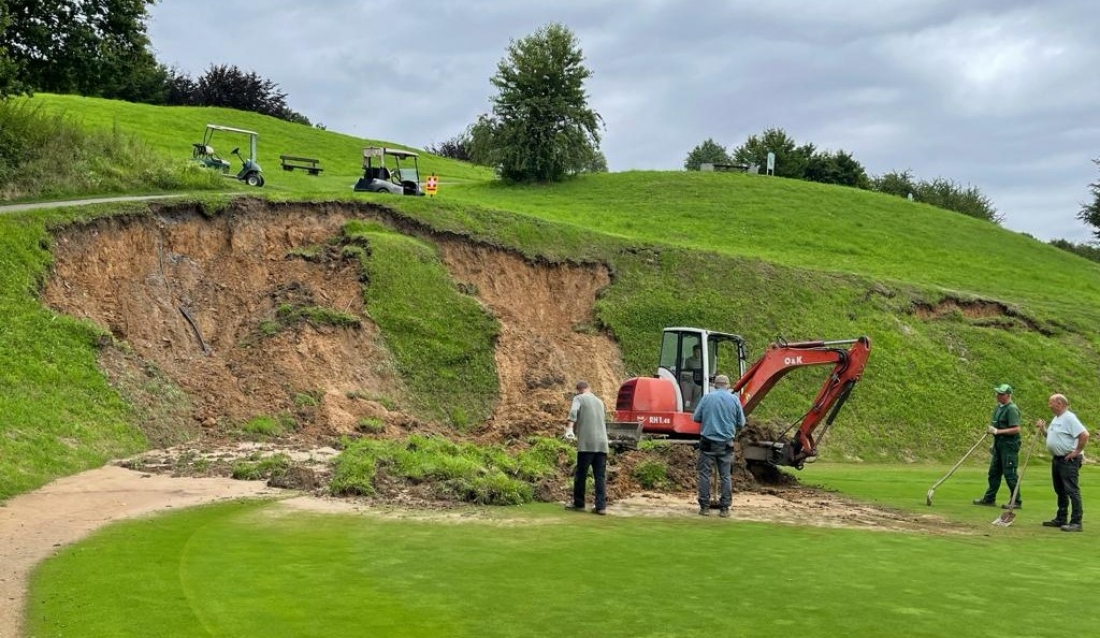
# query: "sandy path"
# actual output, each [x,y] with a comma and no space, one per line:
[33,525]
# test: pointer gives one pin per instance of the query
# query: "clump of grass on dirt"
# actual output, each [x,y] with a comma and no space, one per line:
[370,425]
[290,314]
[487,475]
[269,426]
[308,399]
[255,469]
[441,339]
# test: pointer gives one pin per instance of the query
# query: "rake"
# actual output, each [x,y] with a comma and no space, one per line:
[1009,515]
[932,490]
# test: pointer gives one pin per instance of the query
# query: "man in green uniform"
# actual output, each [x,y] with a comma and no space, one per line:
[1005,428]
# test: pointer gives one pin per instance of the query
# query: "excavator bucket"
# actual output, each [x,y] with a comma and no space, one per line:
[624,435]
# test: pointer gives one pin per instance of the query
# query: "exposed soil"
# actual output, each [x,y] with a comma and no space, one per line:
[546,343]
[192,295]
[987,313]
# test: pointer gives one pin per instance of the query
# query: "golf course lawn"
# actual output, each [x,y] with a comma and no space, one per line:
[258,569]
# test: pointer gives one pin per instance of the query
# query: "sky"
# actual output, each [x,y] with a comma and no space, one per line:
[1003,95]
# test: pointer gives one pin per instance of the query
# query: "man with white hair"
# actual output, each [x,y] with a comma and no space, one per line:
[721,417]
[1066,440]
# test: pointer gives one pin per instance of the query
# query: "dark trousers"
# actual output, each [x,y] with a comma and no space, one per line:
[598,462]
[1064,475]
[1006,457]
[715,453]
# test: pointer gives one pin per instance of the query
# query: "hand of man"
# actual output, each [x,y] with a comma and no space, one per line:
[569,435]
[992,430]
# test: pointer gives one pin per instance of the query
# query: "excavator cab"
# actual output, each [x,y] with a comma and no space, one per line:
[691,358]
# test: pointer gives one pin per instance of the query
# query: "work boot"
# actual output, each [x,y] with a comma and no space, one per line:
[704,511]
[1053,523]
[1071,527]
[574,508]
[982,501]
[724,512]
[601,512]
[1010,506]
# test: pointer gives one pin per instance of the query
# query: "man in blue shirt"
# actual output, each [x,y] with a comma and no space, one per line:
[722,418]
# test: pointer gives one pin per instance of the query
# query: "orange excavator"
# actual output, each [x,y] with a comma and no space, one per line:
[690,358]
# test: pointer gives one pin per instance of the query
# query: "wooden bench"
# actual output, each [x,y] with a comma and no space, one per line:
[307,164]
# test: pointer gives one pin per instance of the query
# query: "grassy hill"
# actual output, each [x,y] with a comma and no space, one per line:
[952,304]
[170,131]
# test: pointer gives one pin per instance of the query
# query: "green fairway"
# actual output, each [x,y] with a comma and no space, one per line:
[249,569]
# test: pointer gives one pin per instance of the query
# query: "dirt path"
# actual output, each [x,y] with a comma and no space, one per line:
[33,525]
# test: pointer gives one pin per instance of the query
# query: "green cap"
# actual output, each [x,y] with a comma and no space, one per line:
[1004,388]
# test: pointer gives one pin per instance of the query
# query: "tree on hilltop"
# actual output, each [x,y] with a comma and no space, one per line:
[228,86]
[91,47]
[940,192]
[709,152]
[1090,212]
[791,160]
[541,128]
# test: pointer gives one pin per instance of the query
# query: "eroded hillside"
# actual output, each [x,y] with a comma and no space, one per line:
[258,311]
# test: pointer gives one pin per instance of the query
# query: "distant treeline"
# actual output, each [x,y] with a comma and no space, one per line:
[100,48]
[805,161]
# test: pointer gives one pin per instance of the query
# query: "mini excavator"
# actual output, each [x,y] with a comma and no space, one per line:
[661,406]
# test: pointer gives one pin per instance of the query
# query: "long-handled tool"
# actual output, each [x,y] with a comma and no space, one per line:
[1005,519]
[931,490]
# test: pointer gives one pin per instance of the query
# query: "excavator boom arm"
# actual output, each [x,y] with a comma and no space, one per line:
[780,359]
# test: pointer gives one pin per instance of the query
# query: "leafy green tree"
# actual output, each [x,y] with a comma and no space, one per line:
[456,148]
[91,47]
[481,143]
[709,152]
[1090,212]
[228,86]
[791,160]
[899,183]
[967,200]
[541,128]
[1084,249]
[940,192]
[10,84]
[839,168]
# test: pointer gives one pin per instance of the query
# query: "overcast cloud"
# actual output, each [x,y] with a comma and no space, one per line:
[1001,94]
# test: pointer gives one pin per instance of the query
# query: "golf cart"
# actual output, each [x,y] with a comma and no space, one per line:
[393,179]
[250,172]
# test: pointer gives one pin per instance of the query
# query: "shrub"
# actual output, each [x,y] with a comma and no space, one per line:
[651,474]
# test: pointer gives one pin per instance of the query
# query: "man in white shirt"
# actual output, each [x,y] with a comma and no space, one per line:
[1066,440]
